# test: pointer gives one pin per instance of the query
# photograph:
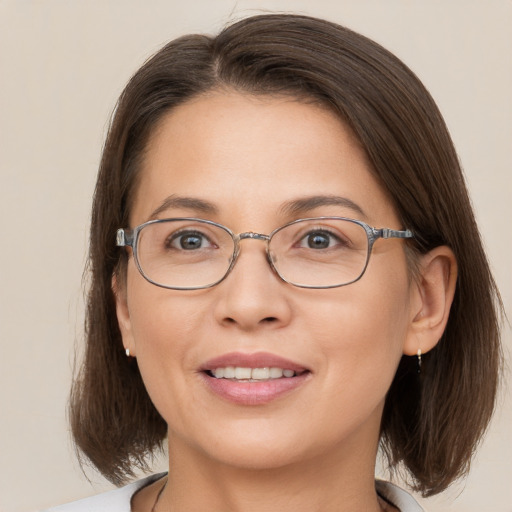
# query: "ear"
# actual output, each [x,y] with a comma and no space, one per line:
[123,315]
[431,300]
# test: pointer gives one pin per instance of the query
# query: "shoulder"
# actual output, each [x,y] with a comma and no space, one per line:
[396,496]
[117,500]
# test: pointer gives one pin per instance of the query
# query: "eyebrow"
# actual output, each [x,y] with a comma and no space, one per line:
[188,203]
[295,207]
[306,204]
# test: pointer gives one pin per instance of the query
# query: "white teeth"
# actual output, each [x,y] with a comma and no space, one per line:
[260,373]
[218,373]
[229,372]
[251,374]
[242,373]
[276,373]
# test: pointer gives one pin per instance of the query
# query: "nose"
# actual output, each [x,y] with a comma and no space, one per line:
[252,296]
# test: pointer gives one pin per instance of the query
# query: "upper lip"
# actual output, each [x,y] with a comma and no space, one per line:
[255,360]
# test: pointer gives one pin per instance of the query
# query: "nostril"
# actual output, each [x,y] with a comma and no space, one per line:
[266,320]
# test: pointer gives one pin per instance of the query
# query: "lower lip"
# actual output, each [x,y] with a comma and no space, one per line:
[254,393]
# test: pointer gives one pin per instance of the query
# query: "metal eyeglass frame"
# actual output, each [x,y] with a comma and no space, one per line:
[129,238]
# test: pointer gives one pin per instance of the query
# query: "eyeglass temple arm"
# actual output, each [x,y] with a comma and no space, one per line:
[124,237]
[392,233]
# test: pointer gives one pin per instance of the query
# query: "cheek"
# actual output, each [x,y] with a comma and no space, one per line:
[362,330]
[165,326]
[165,331]
[161,319]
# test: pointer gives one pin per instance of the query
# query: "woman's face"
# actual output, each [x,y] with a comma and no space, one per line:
[241,160]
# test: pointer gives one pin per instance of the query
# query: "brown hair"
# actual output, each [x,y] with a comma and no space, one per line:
[431,434]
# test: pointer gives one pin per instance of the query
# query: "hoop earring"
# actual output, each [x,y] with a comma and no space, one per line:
[419,360]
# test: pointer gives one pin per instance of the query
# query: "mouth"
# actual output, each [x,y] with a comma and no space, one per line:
[244,374]
[251,379]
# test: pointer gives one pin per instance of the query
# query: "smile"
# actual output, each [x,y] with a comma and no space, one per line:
[253,379]
[252,374]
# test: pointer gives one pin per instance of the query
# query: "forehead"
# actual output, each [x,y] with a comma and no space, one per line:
[248,154]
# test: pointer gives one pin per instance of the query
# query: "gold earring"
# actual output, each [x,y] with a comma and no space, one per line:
[419,360]
[127,352]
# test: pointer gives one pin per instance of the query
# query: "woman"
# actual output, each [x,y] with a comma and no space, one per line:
[297,280]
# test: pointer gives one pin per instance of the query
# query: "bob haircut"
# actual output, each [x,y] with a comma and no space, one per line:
[430,434]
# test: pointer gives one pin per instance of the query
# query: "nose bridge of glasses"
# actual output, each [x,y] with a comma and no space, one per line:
[253,236]
[250,235]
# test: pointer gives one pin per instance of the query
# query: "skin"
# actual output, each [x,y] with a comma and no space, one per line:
[314,448]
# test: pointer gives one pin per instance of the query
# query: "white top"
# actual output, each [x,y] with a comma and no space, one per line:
[399,498]
[119,500]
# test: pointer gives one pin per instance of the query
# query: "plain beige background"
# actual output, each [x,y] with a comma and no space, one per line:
[62,66]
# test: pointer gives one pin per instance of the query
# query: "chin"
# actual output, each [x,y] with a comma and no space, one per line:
[255,450]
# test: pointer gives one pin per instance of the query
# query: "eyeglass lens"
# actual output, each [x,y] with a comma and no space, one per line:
[196,254]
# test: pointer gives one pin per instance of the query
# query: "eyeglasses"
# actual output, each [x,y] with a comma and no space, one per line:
[190,254]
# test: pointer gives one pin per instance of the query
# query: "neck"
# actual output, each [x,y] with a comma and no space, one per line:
[337,482]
